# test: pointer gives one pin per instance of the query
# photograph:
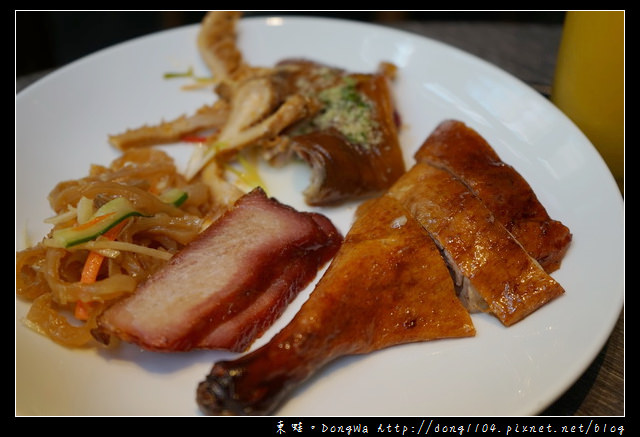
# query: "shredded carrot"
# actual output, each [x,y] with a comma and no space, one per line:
[94,259]
[81,310]
[93,221]
[91,269]
[113,233]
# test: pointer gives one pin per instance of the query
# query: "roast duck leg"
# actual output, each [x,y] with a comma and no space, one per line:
[387,285]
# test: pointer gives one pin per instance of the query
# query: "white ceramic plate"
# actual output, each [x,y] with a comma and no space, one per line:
[62,123]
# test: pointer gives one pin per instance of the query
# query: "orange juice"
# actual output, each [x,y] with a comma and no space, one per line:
[589,81]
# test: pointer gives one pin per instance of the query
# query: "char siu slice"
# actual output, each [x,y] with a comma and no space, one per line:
[227,286]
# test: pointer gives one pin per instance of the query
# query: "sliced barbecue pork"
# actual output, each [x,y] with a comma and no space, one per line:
[227,286]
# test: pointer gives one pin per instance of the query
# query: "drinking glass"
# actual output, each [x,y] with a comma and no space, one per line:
[588,84]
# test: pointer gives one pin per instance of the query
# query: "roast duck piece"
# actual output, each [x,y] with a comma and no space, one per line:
[492,230]
[460,150]
[351,143]
[415,263]
[224,289]
[387,285]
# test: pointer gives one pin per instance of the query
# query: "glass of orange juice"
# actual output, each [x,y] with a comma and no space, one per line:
[588,84]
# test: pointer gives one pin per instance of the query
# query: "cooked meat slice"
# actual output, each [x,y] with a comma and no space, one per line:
[237,333]
[478,247]
[387,285]
[352,147]
[461,150]
[224,273]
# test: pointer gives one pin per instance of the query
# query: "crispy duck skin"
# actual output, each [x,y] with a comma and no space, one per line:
[478,248]
[387,285]
[465,153]
[236,268]
[345,169]
[340,171]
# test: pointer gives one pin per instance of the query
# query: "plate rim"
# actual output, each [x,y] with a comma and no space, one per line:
[474,58]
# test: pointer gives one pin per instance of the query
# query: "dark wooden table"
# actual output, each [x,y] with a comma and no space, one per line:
[527,51]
